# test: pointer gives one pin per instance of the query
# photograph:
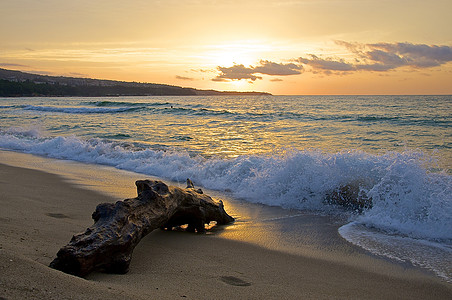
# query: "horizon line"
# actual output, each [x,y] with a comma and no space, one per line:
[212,89]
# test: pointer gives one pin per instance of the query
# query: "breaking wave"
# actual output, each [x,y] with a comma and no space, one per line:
[407,198]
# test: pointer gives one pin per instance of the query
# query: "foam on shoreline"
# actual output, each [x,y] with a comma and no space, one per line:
[169,265]
[288,231]
[407,197]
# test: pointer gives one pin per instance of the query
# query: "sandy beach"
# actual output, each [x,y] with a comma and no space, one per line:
[41,211]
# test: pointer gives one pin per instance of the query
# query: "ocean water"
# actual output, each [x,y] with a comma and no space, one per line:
[292,152]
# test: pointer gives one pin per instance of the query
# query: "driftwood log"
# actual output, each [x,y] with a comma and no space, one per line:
[108,244]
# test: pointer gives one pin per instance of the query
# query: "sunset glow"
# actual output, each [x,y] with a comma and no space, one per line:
[283,47]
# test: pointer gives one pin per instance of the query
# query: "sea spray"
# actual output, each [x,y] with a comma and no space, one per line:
[410,200]
[406,197]
[296,152]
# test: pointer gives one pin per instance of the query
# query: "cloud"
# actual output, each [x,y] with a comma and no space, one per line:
[236,72]
[8,65]
[76,74]
[328,64]
[381,57]
[377,57]
[218,79]
[44,73]
[184,78]
[202,70]
[265,67]
[415,55]
[274,69]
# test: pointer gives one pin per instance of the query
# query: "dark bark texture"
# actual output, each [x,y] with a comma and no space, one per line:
[108,244]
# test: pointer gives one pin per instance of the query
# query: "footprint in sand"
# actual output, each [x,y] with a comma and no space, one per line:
[234,281]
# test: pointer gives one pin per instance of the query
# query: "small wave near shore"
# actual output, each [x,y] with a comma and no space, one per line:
[290,152]
[406,197]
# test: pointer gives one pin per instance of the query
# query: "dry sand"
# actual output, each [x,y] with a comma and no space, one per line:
[40,212]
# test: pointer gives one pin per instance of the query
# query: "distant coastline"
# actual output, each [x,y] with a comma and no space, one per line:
[21,84]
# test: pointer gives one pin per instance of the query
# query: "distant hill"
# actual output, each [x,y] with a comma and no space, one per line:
[21,84]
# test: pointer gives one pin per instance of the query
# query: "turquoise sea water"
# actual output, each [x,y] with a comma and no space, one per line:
[286,151]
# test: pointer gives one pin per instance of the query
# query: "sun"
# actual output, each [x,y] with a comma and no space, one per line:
[242,52]
[226,59]
[230,57]
[239,84]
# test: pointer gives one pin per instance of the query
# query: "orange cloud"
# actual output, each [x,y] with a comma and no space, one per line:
[381,57]
[239,72]
[184,78]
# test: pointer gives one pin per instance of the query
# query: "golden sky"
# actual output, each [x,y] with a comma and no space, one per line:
[282,47]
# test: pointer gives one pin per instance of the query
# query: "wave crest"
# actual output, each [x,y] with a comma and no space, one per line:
[406,197]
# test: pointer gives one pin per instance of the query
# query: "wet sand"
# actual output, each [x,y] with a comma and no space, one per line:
[41,211]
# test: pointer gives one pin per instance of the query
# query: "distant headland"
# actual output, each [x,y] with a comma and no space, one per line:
[21,84]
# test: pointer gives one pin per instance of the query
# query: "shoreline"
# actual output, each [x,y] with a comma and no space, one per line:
[168,265]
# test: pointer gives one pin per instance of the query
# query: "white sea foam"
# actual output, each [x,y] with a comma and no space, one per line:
[427,254]
[411,195]
[407,199]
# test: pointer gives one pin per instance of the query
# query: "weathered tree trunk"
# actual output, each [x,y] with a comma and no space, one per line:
[108,244]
